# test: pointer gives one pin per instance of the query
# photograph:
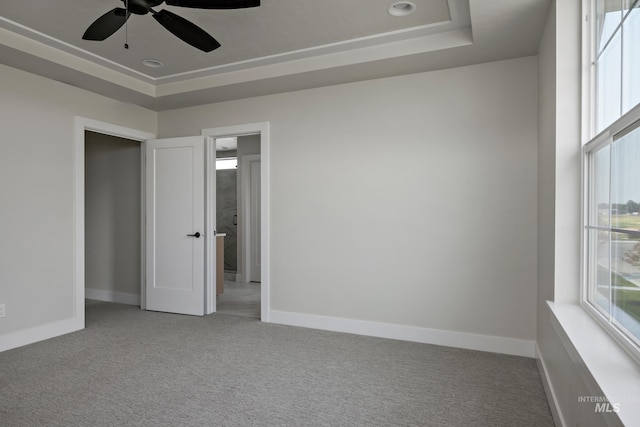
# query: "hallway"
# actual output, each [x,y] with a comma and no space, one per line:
[241,299]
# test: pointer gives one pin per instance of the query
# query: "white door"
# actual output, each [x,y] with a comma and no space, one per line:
[175,251]
[254,228]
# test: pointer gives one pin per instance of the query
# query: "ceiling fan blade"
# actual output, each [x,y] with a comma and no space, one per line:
[214,4]
[186,31]
[106,25]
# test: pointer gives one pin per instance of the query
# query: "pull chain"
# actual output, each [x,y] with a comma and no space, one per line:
[126,24]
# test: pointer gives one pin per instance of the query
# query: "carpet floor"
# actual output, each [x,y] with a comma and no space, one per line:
[136,368]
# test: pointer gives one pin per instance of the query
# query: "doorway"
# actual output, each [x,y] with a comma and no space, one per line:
[261,129]
[113,203]
[238,224]
[84,124]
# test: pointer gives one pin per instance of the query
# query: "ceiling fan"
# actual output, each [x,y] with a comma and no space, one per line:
[187,31]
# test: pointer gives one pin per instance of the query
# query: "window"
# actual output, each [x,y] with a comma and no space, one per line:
[227,163]
[613,233]
[617,59]
[612,172]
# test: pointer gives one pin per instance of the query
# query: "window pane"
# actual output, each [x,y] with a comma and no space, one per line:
[599,241]
[601,211]
[625,181]
[608,17]
[631,60]
[625,248]
[599,282]
[609,84]
[626,285]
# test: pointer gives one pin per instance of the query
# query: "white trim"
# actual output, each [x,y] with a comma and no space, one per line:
[605,367]
[392,41]
[588,70]
[210,230]
[41,333]
[82,124]
[602,139]
[263,129]
[549,391]
[111,296]
[585,184]
[143,227]
[494,344]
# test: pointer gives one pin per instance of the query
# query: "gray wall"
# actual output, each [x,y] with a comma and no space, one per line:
[431,241]
[248,144]
[112,214]
[37,215]
[226,208]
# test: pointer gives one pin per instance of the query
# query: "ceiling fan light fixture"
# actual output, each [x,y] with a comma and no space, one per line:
[153,63]
[401,8]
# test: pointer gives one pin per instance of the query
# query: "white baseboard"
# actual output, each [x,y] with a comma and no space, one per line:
[40,333]
[552,399]
[515,347]
[110,296]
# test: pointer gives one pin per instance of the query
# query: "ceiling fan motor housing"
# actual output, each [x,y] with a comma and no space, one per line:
[141,7]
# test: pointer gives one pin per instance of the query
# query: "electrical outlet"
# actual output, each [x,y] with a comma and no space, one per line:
[1,310]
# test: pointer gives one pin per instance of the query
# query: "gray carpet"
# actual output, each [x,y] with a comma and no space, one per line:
[136,368]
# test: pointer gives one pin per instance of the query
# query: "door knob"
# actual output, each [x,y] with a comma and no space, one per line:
[196,235]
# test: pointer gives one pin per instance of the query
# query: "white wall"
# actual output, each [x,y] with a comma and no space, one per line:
[36,190]
[546,162]
[408,200]
[112,217]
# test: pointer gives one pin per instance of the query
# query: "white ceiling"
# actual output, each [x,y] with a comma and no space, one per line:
[281,46]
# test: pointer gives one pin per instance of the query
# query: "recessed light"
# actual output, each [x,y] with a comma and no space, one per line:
[226,143]
[401,8]
[153,63]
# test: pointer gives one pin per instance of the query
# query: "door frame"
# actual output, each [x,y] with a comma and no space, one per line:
[261,128]
[82,124]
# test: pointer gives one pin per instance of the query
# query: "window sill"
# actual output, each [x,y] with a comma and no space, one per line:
[600,358]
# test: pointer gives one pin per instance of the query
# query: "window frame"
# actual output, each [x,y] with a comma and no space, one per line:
[628,122]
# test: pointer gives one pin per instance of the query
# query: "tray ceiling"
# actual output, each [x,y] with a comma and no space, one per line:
[282,45]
